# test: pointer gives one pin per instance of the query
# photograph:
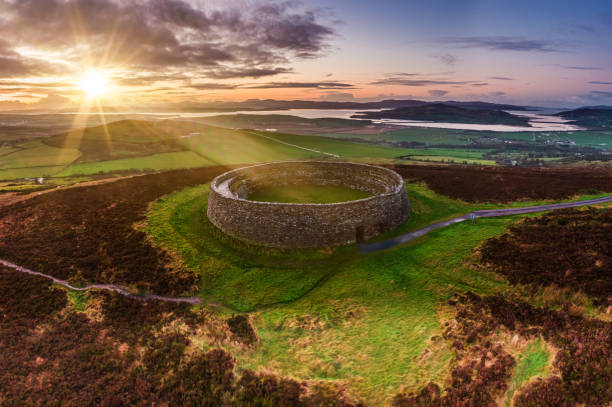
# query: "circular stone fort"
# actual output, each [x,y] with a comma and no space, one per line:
[307,225]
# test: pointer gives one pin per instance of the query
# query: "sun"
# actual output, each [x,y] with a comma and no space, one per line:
[95,83]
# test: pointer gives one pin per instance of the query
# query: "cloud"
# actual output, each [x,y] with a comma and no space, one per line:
[338,97]
[580,68]
[496,95]
[251,39]
[446,59]
[417,82]
[13,64]
[211,86]
[302,85]
[437,93]
[501,78]
[600,83]
[48,102]
[501,43]
[598,94]
[480,84]
[228,73]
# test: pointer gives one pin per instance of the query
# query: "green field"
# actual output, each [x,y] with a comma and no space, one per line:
[224,146]
[307,194]
[35,159]
[456,160]
[118,140]
[137,145]
[342,148]
[426,136]
[155,162]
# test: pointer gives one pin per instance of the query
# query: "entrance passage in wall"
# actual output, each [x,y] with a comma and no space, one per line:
[359,234]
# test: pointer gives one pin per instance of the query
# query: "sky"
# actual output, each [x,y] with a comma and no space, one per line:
[64,53]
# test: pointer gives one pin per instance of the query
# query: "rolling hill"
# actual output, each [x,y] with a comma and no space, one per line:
[441,112]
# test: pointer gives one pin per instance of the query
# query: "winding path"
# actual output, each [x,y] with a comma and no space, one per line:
[491,213]
[107,287]
[293,145]
[363,248]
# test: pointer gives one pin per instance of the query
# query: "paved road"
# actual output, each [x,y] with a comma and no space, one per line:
[373,247]
[108,287]
[364,247]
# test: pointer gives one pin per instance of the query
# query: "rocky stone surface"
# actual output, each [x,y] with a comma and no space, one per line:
[298,225]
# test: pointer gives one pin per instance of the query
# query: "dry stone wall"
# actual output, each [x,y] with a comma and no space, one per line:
[292,225]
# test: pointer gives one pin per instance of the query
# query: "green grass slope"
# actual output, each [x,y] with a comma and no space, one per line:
[365,320]
[118,140]
[155,162]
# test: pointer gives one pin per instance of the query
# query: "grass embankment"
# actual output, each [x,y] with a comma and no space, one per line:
[365,320]
[532,362]
[307,194]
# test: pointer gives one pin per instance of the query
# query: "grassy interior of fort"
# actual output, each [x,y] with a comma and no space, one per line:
[307,193]
[364,320]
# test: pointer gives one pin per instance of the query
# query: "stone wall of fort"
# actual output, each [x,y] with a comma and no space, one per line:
[293,225]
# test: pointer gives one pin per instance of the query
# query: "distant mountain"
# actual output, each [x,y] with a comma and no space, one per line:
[442,112]
[596,117]
[487,105]
[271,104]
[600,107]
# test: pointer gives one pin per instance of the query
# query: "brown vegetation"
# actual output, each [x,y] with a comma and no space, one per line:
[87,233]
[138,353]
[569,248]
[499,184]
[483,368]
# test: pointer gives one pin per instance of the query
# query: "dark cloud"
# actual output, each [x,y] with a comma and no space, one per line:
[417,82]
[480,84]
[147,79]
[501,78]
[13,64]
[446,59]
[225,73]
[437,93]
[302,85]
[500,43]
[600,83]
[580,68]
[276,26]
[155,35]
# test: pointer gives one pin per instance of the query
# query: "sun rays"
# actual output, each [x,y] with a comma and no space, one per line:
[95,83]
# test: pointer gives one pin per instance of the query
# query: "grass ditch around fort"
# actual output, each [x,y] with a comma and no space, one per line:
[369,321]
